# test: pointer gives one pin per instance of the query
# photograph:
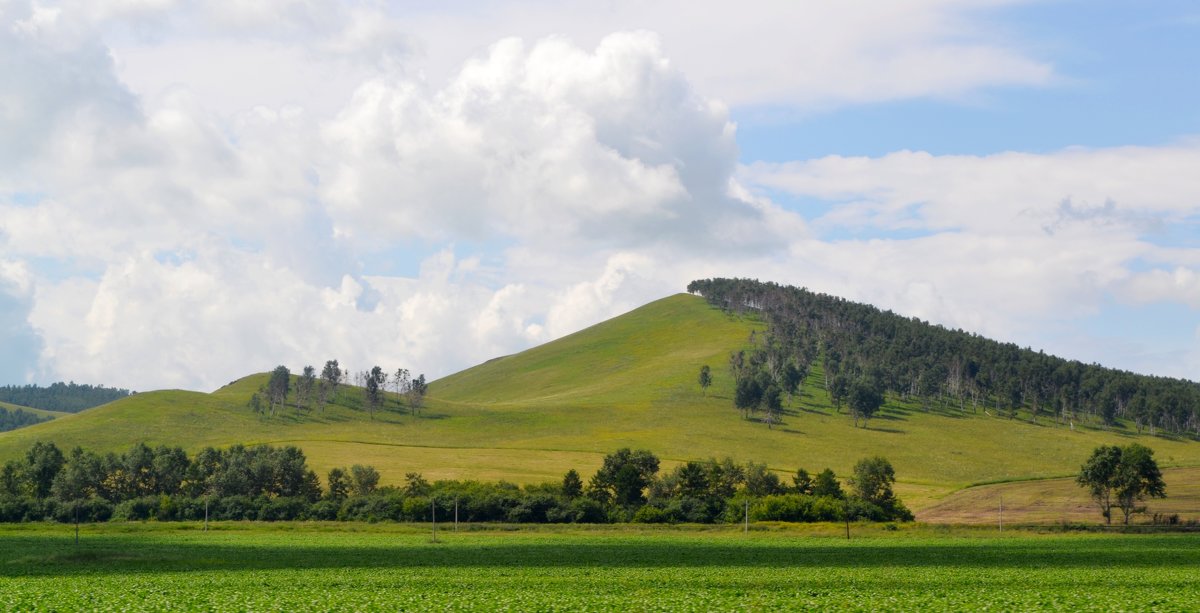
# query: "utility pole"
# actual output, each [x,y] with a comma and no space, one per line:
[846,515]
[747,526]
[433,514]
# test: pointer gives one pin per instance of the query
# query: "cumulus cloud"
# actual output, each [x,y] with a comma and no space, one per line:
[190,192]
[1004,244]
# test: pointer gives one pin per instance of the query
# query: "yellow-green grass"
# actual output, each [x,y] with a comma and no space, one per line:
[38,412]
[1058,500]
[630,381]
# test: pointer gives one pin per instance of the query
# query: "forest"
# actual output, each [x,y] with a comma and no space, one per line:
[268,483]
[867,353]
[66,397]
[17,418]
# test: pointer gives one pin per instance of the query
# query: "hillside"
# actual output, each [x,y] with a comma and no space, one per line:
[629,381]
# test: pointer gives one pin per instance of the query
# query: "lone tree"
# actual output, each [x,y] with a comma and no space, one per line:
[1137,477]
[277,386]
[1123,476]
[864,401]
[1097,475]
[705,379]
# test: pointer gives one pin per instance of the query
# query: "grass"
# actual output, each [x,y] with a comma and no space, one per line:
[1058,500]
[630,381]
[397,567]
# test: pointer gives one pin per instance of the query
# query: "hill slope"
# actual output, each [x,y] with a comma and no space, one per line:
[630,381]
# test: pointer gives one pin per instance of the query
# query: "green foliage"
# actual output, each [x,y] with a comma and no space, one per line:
[65,397]
[826,485]
[1121,475]
[910,357]
[624,477]
[864,400]
[635,568]
[705,379]
[572,484]
[19,418]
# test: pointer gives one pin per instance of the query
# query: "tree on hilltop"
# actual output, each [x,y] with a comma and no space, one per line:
[277,387]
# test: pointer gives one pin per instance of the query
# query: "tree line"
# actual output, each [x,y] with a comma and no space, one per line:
[274,483]
[311,390]
[867,352]
[17,418]
[67,397]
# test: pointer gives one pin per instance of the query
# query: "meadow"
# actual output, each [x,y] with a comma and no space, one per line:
[313,566]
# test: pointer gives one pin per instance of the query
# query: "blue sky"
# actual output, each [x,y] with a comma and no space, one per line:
[216,188]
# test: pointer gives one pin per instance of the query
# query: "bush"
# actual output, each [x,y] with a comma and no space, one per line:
[89,511]
[136,509]
[235,508]
[283,509]
[649,515]
[325,510]
[533,508]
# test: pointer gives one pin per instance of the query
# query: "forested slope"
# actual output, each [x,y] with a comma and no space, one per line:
[911,359]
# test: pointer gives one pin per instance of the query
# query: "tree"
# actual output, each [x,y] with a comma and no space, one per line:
[790,379]
[773,405]
[376,380]
[747,395]
[705,379]
[365,479]
[762,482]
[864,401]
[1097,474]
[826,484]
[401,381]
[331,377]
[572,485]
[43,461]
[340,484]
[277,386]
[803,482]
[305,386]
[416,393]
[416,485]
[625,475]
[873,479]
[1137,476]
[838,388]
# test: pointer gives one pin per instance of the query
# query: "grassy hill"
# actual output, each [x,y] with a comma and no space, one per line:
[630,381]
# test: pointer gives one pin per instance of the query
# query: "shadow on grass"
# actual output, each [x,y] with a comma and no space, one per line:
[30,556]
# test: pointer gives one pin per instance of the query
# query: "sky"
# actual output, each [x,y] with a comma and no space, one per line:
[194,191]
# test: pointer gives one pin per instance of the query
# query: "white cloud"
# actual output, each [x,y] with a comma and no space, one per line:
[794,53]
[221,193]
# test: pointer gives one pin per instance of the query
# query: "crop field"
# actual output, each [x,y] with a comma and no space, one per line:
[400,567]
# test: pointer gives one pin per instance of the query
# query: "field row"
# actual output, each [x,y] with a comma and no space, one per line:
[399,567]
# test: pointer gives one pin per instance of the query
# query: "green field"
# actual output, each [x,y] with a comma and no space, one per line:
[290,567]
[630,381]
